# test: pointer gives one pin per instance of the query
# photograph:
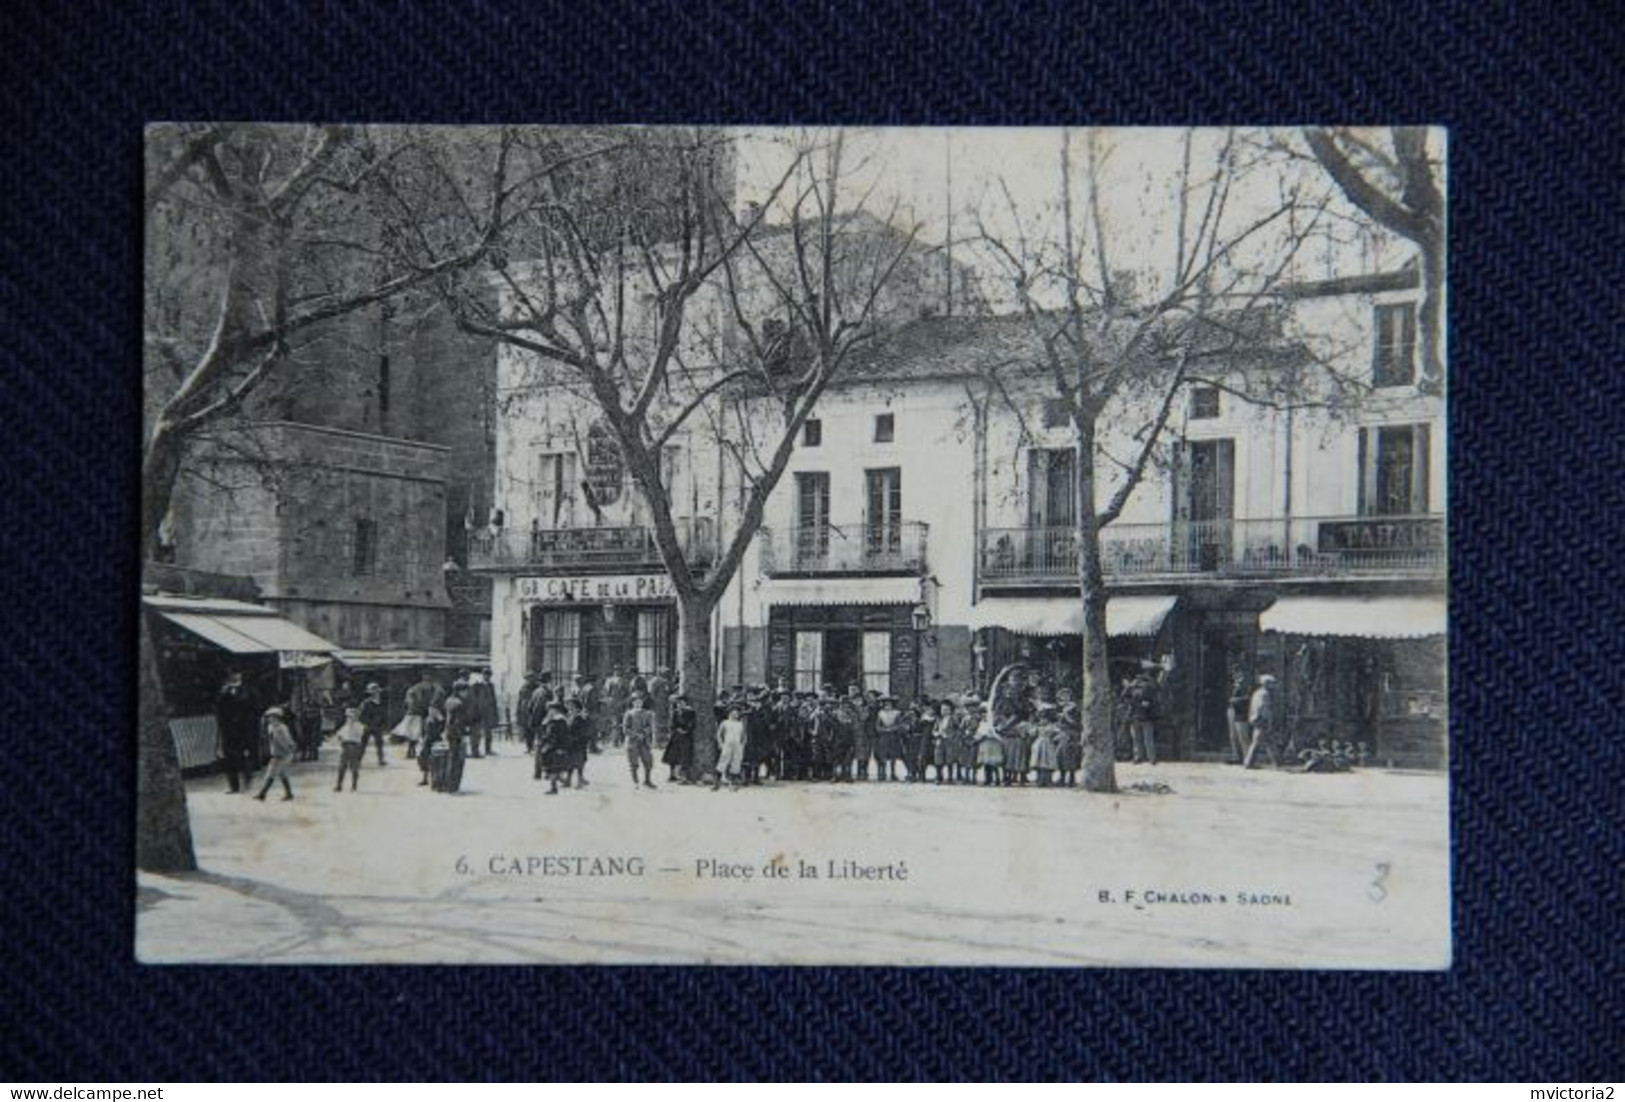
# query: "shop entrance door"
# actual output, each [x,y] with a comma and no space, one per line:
[1226,654]
[843,659]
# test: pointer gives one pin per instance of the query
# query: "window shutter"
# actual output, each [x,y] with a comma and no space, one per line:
[1365,473]
[1420,469]
[1224,479]
[1037,488]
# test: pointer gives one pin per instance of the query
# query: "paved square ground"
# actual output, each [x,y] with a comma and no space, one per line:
[1229,867]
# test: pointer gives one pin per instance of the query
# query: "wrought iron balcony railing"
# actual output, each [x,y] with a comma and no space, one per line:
[587,548]
[896,548]
[1255,547]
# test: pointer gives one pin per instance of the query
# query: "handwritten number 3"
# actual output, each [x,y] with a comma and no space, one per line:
[1378,891]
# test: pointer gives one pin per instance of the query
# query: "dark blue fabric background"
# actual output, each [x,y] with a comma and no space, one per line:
[1532,95]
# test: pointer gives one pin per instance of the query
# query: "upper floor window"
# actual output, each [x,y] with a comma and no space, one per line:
[1394,357]
[885,428]
[1394,470]
[812,432]
[1204,403]
[1055,413]
[365,559]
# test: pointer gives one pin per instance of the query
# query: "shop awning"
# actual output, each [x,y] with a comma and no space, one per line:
[1140,615]
[1365,617]
[842,591]
[242,628]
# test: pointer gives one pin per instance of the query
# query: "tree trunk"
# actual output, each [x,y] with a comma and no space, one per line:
[694,657]
[160,468]
[1432,317]
[1099,728]
[163,836]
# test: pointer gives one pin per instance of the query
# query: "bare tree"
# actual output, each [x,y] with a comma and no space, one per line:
[647,296]
[1396,178]
[1118,333]
[260,240]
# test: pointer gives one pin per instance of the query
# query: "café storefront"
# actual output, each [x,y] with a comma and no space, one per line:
[594,624]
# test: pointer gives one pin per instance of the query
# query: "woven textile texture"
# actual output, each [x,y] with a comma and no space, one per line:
[1532,95]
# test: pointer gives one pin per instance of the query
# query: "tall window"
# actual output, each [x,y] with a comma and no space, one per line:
[1394,357]
[365,550]
[885,428]
[877,661]
[1394,470]
[812,517]
[809,661]
[556,643]
[1052,487]
[555,489]
[654,640]
[883,518]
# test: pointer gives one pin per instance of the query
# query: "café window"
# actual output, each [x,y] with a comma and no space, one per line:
[1394,358]
[654,640]
[365,550]
[809,661]
[555,644]
[877,661]
[885,428]
[1394,471]
[812,432]
[1204,403]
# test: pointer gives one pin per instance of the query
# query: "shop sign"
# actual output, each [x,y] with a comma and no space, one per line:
[597,589]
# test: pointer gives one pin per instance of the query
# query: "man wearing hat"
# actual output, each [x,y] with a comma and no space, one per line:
[351,735]
[279,739]
[235,721]
[1261,718]
[482,703]
[374,719]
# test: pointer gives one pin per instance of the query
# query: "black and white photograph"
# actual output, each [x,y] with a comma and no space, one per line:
[794,546]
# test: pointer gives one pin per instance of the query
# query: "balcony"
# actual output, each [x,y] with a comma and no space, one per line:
[588,549]
[1320,547]
[845,549]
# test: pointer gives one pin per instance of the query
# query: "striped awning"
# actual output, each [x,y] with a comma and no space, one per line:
[842,591]
[1125,616]
[239,627]
[1361,617]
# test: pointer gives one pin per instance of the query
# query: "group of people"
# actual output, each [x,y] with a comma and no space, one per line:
[857,736]
[562,724]
[1022,736]
[444,726]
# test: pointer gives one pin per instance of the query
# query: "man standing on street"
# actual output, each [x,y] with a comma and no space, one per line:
[352,734]
[639,725]
[374,719]
[1261,718]
[1142,718]
[485,697]
[235,722]
[279,739]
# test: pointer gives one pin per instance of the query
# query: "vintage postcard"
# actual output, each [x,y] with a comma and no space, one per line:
[622,545]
